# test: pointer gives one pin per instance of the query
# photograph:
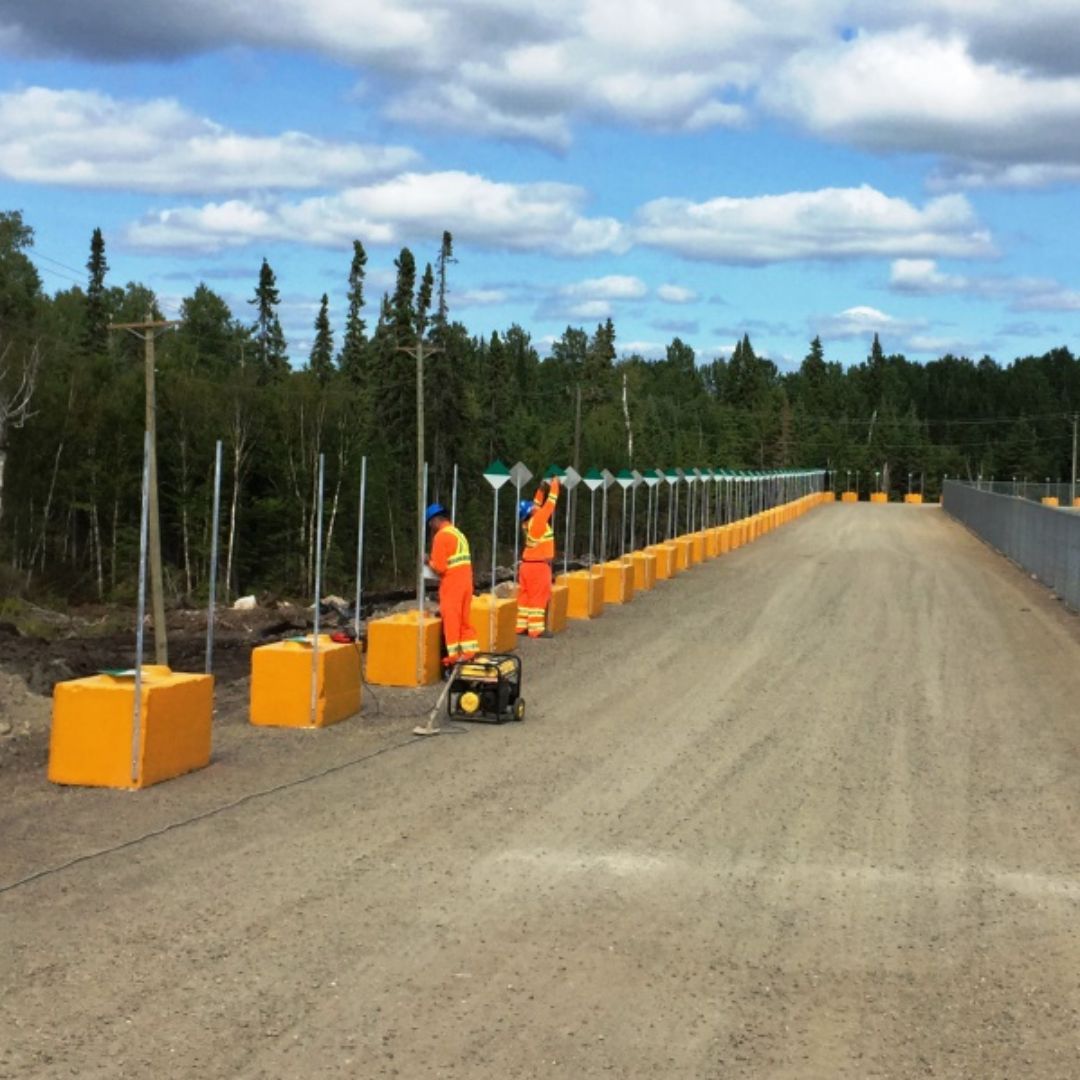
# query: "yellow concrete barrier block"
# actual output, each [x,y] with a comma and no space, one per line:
[828,496]
[1050,500]
[665,560]
[1076,503]
[585,594]
[618,582]
[724,539]
[281,683]
[93,720]
[849,497]
[683,547]
[495,623]
[712,543]
[392,645]
[697,547]
[913,498]
[644,564]
[879,497]
[557,608]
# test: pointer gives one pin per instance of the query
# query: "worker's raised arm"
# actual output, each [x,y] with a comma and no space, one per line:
[544,508]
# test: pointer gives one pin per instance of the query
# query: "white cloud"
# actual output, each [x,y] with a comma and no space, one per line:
[863,321]
[923,278]
[676,294]
[832,223]
[469,298]
[86,139]
[611,287]
[992,122]
[517,217]
[544,63]
[590,309]
[648,350]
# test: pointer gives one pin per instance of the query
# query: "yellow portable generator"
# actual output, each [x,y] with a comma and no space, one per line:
[487,688]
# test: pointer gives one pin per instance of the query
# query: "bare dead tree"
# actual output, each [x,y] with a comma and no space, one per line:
[18,380]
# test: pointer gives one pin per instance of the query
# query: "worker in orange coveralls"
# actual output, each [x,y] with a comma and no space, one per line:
[534,573]
[451,560]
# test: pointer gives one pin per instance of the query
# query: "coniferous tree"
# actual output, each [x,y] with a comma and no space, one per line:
[322,349]
[96,327]
[269,339]
[353,346]
[446,256]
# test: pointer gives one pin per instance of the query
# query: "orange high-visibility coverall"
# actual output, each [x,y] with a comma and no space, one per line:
[534,573]
[452,561]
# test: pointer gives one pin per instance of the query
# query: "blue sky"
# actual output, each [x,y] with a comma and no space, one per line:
[688,167]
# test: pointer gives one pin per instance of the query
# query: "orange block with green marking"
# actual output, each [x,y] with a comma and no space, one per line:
[93,722]
[281,683]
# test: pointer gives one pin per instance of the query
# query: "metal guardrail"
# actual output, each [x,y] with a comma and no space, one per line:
[1044,540]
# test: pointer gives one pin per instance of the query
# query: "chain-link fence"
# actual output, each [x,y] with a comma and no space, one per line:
[1044,540]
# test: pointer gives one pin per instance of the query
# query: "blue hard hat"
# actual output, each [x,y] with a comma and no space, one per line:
[525,508]
[433,511]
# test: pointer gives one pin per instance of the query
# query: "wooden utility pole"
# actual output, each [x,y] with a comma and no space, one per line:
[147,331]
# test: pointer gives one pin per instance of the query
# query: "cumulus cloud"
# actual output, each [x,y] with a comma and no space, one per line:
[922,277]
[832,223]
[611,287]
[513,217]
[544,63]
[676,294]
[991,122]
[863,322]
[86,139]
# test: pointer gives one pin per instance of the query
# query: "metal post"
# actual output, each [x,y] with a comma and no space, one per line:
[360,545]
[1072,475]
[623,530]
[592,523]
[318,591]
[421,546]
[494,544]
[214,525]
[453,498]
[517,503]
[633,518]
[566,546]
[603,527]
[140,610]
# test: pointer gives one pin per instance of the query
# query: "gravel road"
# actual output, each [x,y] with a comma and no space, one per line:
[810,810]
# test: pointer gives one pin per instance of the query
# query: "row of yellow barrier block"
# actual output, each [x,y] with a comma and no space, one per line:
[912,498]
[91,742]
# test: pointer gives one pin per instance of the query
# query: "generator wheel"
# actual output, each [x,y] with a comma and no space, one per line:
[519,709]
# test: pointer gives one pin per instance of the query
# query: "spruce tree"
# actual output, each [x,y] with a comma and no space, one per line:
[446,256]
[322,349]
[266,330]
[354,344]
[96,326]
[401,303]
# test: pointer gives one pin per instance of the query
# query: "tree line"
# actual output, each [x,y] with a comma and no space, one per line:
[71,456]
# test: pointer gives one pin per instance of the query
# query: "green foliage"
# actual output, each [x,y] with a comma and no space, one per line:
[269,339]
[70,512]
